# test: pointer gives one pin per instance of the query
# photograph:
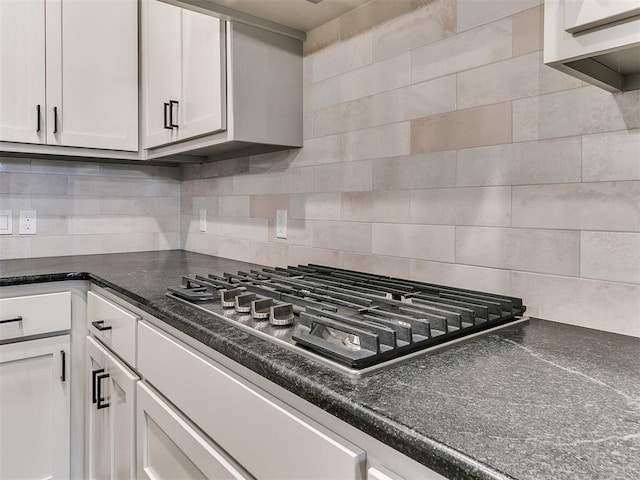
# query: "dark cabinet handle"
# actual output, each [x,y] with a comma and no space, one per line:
[99,324]
[171,104]
[94,388]
[39,114]
[101,403]
[55,119]
[11,320]
[63,359]
[167,122]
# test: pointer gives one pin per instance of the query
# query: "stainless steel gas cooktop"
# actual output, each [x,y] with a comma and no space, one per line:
[354,322]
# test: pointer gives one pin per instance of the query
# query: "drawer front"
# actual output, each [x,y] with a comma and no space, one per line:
[170,447]
[34,315]
[114,326]
[265,438]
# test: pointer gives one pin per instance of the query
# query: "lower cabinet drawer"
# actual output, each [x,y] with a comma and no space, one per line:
[170,447]
[267,439]
[115,326]
[34,315]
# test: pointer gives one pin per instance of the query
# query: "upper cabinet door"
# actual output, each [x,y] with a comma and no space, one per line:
[92,73]
[581,15]
[161,50]
[183,74]
[203,107]
[22,60]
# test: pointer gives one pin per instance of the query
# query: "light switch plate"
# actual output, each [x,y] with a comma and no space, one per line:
[6,227]
[281,224]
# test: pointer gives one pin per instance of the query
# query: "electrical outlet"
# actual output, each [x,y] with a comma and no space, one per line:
[28,222]
[203,220]
[281,224]
[6,222]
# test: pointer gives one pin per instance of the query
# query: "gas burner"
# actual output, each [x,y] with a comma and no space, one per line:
[352,321]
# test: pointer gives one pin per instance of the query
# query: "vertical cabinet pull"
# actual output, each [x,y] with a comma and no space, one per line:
[55,119]
[171,104]
[39,118]
[63,361]
[94,387]
[167,122]
[101,403]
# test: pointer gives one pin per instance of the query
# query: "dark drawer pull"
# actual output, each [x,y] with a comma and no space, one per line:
[94,387]
[39,118]
[101,403]
[63,358]
[99,324]
[171,104]
[55,119]
[11,320]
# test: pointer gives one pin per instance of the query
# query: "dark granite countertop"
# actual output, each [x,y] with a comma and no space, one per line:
[538,400]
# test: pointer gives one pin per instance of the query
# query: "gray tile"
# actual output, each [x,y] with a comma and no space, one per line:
[462,276]
[484,206]
[472,13]
[611,156]
[587,206]
[350,236]
[37,184]
[424,170]
[344,117]
[424,242]
[376,142]
[343,177]
[611,256]
[544,161]
[545,251]
[389,206]
[315,206]
[394,72]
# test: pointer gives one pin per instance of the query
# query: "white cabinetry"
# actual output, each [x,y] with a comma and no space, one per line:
[111,417]
[183,74]
[35,388]
[69,73]
[596,41]
[267,439]
[171,447]
[215,87]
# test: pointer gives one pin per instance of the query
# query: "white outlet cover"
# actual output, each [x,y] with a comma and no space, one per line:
[28,222]
[281,224]
[6,224]
[203,220]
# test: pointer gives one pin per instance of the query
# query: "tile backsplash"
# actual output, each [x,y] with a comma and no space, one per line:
[87,208]
[439,147]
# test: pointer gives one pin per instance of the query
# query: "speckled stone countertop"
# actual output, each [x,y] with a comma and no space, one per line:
[537,400]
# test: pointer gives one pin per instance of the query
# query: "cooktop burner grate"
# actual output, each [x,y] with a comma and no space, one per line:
[355,319]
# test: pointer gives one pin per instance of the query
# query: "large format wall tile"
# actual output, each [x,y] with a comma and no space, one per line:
[414,101]
[315,206]
[528,31]
[611,156]
[545,251]
[351,236]
[430,170]
[462,276]
[538,162]
[436,20]
[344,117]
[517,77]
[488,125]
[343,177]
[378,77]
[340,58]
[388,206]
[471,49]
[425,242]
[472,13]
[611,256]
[575,112]
[603,305]
[490,206]
[611,206]
[384,141]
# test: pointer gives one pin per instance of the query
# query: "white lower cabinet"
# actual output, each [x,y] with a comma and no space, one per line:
[268,439]
[35,409]
[111,438]
[170,447]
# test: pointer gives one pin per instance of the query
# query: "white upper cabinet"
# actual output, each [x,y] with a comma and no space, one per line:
[214,87]
[596,41]
[22,76]
[183,74]
[87,50]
